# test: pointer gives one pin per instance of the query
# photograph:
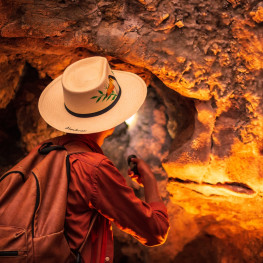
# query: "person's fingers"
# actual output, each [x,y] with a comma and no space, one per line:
[137,179]
[130,172]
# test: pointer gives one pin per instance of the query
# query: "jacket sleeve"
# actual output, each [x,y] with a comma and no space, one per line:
[117,202]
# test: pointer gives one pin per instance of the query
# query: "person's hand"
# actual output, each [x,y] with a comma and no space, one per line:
[135,177]
[146,178]
[145,173]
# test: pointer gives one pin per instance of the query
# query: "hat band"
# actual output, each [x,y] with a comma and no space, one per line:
[94,114]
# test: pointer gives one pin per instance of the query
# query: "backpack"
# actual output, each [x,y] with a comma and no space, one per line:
[33,199]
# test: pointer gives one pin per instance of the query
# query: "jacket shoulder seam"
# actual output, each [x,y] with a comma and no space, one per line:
[97,164]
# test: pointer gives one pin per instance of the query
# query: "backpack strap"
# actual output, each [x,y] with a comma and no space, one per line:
[95,215]
[47,147]
[71,149]
[58,144]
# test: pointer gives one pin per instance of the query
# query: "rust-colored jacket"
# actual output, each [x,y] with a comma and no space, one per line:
[96,185]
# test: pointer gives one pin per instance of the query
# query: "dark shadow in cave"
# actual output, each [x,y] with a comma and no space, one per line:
[181,114]
[137,254]
[12,148]
[200,250]
[207,249]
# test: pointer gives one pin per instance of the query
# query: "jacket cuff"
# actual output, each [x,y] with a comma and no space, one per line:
[158,206]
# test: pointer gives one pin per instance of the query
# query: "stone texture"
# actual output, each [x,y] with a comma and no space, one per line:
[206,129]
[11,70]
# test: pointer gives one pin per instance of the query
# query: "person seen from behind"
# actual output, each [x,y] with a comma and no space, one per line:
[86,102]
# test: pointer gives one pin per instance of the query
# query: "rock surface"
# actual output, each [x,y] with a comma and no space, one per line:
[206,129]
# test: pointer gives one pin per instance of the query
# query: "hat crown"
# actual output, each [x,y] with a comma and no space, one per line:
[88,86]
[86,74]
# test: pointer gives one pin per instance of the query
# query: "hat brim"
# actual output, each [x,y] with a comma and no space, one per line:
[52,109]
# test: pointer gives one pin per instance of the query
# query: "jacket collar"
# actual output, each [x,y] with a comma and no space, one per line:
[82,138]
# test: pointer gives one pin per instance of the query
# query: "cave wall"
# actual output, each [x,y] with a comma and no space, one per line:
[203,61]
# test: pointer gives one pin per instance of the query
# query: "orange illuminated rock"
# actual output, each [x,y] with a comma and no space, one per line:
[209,53]
[257,15]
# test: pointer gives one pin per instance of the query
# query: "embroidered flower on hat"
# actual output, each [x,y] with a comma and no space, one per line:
[110,92]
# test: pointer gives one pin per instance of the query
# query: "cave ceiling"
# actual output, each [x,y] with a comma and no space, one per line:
[202,58]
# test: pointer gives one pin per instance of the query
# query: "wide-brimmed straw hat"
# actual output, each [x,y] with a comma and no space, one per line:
[90,97]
